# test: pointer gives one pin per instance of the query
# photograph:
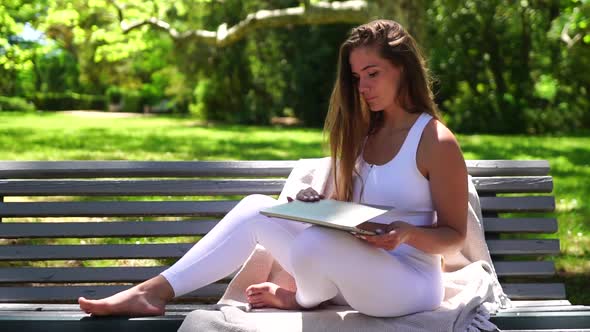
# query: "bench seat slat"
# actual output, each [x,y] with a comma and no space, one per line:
[539,303]
[544,291]
[12,230]
[95,169]
[558,308]
[72,292]
[175,250]
[537,184]
[214,208]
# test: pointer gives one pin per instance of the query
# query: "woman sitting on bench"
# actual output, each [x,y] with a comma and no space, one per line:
[392,150]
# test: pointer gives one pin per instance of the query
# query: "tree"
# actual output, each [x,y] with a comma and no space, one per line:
[506,66]
[229,89]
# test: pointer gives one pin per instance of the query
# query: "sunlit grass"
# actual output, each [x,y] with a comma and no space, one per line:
[66,137]
[53,136]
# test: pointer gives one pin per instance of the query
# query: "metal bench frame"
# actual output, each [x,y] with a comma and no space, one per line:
[40,298]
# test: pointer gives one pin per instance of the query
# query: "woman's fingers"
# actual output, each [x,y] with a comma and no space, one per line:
[386,241]
[258,305]
[309,195]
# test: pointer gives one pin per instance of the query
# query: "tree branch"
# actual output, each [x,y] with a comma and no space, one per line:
[314,13]
[565,36]
[119,9]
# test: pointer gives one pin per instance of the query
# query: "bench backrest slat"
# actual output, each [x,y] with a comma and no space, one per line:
[546,291]
[536,184]
[520,225]
[518,204]
[65,293]
[524,268]
[214,208]
[121,169]
[97,169]
[176,250]
[140,187]
[92,251]
[15,230]
[140,273]
[79,274]
[98,229]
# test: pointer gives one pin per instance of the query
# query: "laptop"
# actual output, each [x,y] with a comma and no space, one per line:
[330,213]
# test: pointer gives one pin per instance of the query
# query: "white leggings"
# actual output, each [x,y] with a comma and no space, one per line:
[324,263]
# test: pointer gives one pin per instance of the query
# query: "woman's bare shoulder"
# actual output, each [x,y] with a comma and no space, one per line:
[438,151]
[440,143]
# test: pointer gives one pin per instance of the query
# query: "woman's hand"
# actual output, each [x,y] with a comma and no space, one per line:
[307,195]
[396,233]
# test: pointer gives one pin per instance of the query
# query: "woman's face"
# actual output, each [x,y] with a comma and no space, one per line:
[377,79]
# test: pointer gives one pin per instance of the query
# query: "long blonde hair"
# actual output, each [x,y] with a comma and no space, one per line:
[349,119]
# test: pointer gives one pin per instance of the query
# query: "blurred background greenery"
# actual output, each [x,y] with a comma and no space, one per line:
[502,66]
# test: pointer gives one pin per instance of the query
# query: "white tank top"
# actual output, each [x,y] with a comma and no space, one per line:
[398,184]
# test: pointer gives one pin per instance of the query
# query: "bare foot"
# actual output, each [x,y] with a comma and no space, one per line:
[271,295]
[146,299]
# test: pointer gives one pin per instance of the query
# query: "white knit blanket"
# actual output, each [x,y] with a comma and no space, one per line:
[472,290]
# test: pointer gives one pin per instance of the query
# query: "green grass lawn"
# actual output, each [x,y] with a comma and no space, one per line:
[52,136]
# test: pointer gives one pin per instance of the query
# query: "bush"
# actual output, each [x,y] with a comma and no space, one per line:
[15,104]
[131,102]
[114,95]
[126,100]
[68,101]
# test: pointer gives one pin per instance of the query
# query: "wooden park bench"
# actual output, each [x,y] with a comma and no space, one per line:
[187,199]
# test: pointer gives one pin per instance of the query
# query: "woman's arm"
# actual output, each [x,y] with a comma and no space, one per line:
[440,155]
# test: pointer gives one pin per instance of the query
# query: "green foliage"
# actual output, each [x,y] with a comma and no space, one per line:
[125,100]
[114,95]
[131,101]
[272,73]
[68,101]
[15,104]
[294,70]
[504,66]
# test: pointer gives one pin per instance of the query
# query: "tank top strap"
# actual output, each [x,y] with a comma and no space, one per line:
[413,139]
